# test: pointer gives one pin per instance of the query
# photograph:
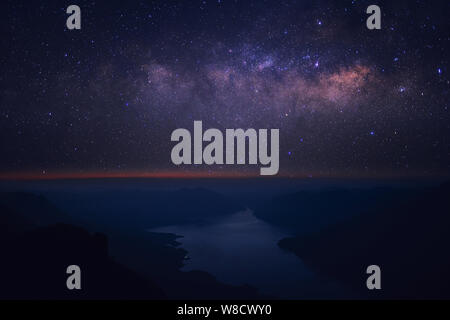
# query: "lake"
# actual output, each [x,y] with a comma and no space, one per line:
[241,249]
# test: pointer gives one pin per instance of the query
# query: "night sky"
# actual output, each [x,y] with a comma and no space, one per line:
[104,100]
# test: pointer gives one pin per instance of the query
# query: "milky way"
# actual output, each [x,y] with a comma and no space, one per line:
[348,101]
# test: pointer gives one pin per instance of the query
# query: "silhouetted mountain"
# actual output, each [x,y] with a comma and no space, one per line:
[12,222]
[407,237]
[200,285]
[35,256]
[34,267]
[310,211]
[37,210]
[146,209]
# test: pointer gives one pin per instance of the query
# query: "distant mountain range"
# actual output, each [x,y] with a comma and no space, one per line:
[147,209]
[405,232]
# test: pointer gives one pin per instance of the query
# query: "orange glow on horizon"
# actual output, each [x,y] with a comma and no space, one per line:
[197,175]
[130,174]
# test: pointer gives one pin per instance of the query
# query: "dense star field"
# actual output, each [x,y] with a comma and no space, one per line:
[104,99]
